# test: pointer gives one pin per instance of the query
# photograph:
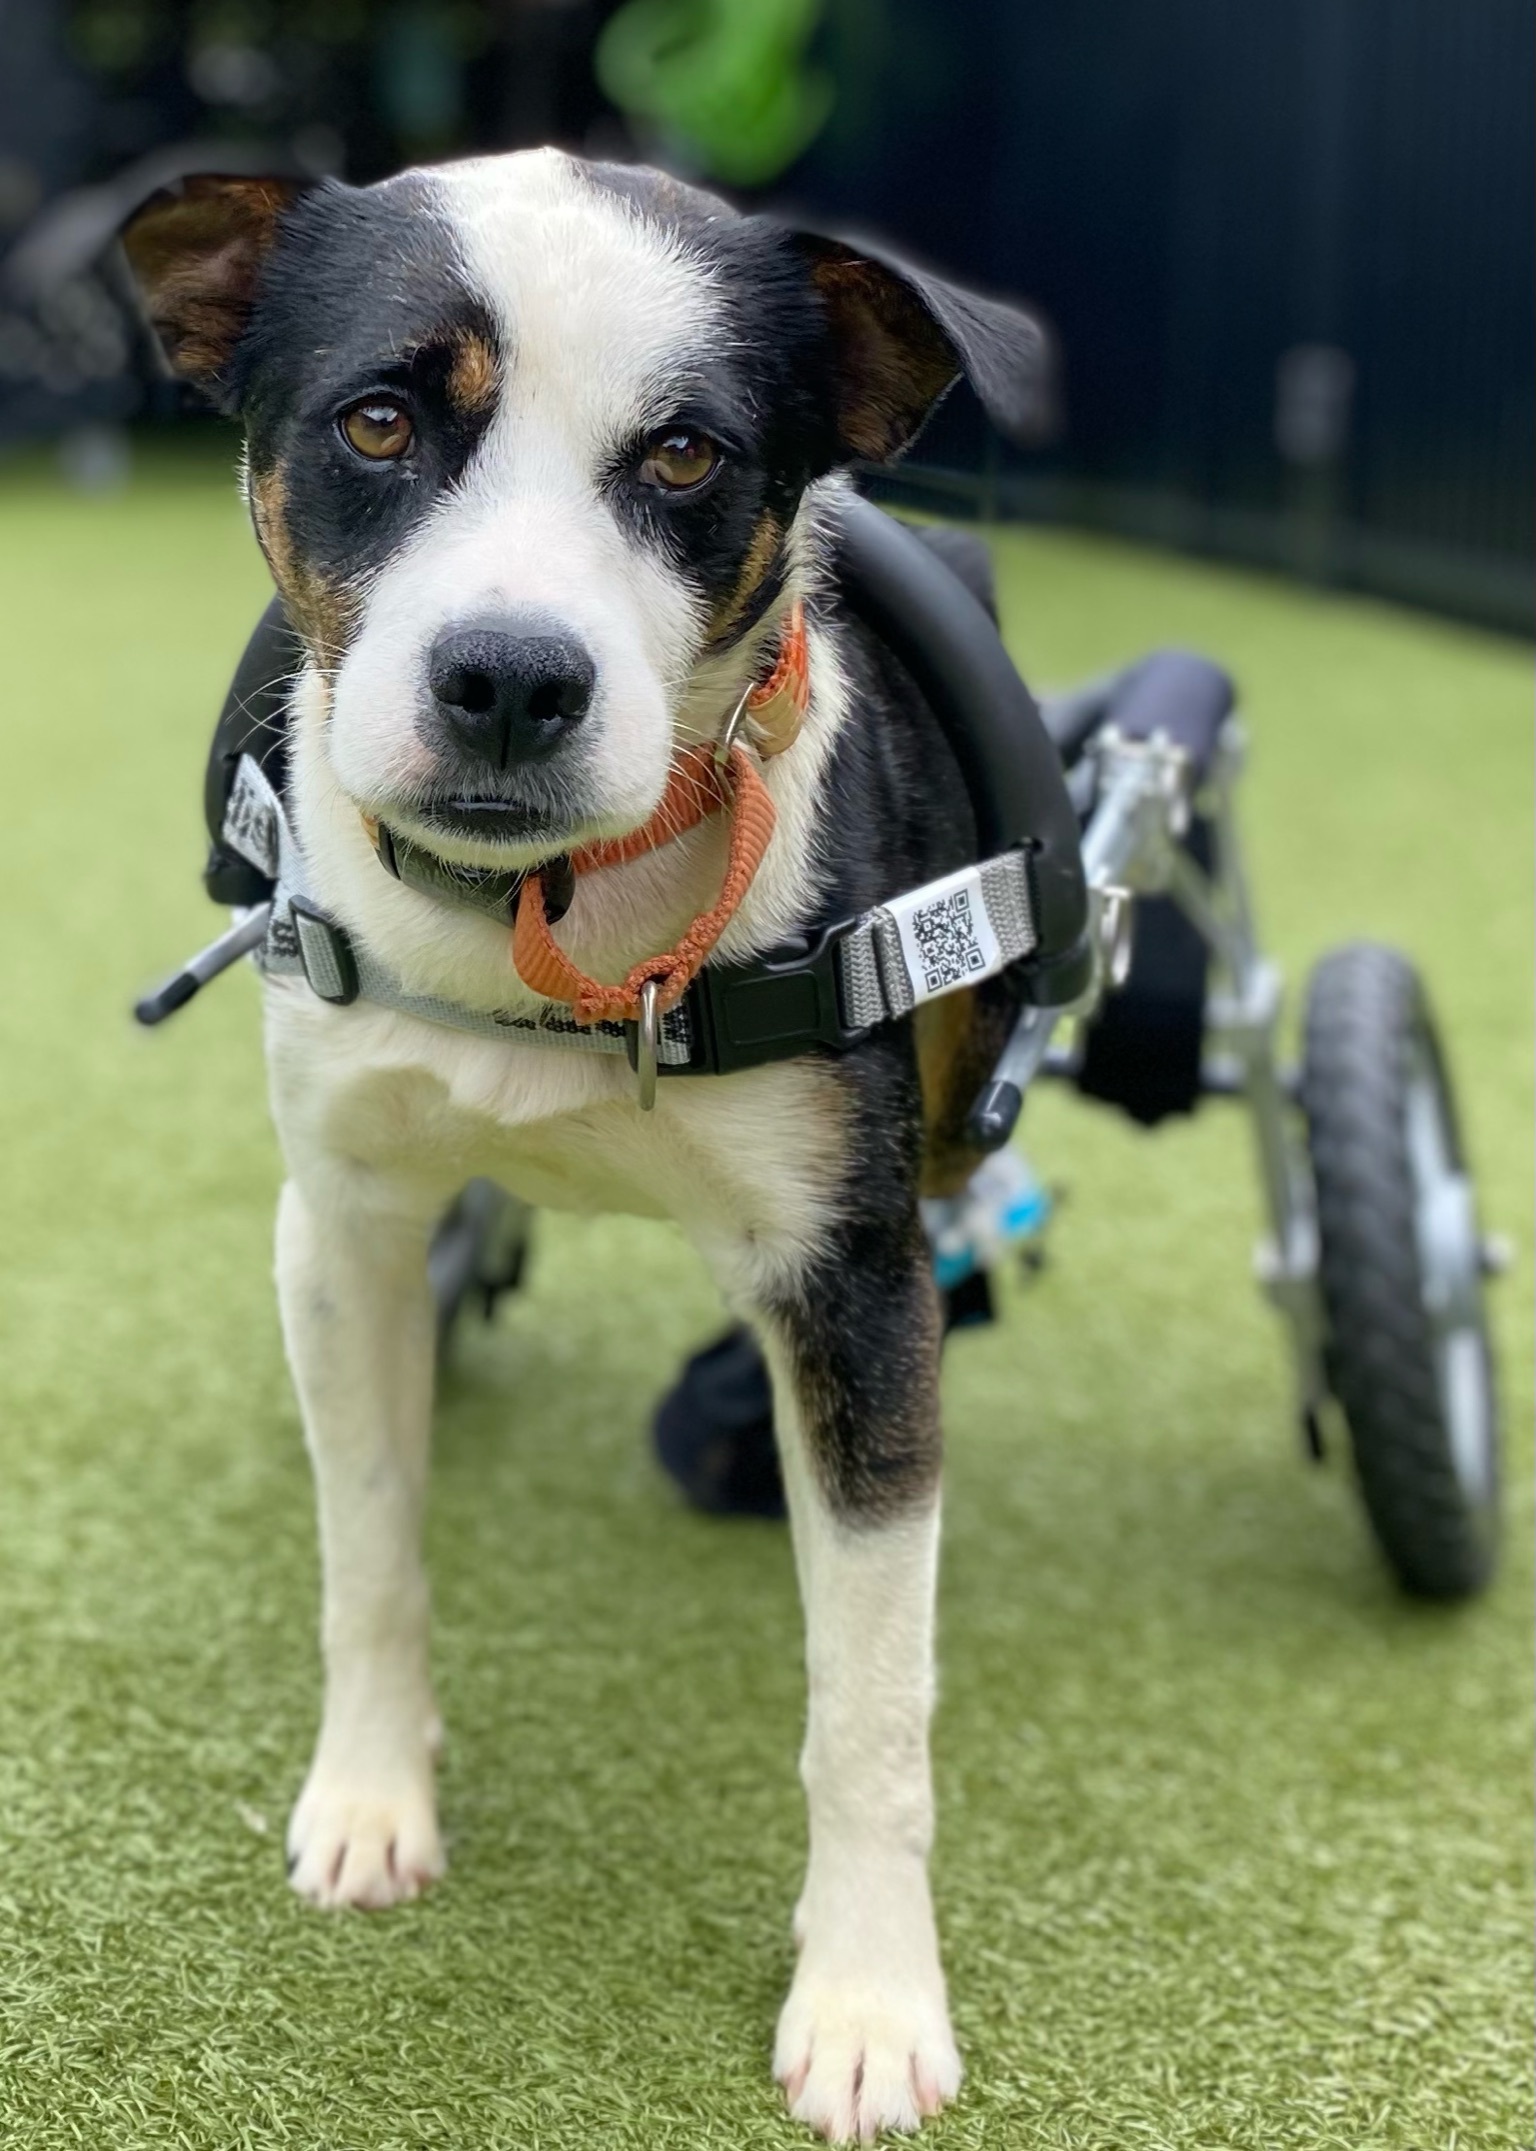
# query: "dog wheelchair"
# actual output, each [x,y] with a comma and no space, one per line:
[1148,990]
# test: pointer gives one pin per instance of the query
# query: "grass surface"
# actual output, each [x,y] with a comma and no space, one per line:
[1233,1842]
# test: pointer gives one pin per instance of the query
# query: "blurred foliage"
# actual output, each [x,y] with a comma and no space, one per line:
[344,85]
[726,82]
[723,87]
[115,37]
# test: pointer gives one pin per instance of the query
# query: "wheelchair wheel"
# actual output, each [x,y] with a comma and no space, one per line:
[1402,1263]
[479,1252]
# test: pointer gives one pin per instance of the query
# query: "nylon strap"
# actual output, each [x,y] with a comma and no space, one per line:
[950,934]
[303,942]
[699,787]
[934,940]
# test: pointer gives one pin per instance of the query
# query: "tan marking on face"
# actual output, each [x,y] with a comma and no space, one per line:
[475,376]
[324,613]
[759,558]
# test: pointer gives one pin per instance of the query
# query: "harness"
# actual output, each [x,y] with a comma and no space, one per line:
[683,1012]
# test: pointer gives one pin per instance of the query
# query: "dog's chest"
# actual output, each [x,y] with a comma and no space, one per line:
[755,1158]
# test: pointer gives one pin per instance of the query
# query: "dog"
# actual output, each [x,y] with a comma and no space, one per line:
[542,454]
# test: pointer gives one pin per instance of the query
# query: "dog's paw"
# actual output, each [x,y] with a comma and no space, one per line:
[356,1841]
[858,2055]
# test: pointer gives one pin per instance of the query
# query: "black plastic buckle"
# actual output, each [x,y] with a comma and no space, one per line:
[769,1009]
[231,879]
[1053,981]
[326,954]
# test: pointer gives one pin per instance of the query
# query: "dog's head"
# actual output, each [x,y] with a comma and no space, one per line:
[528,439]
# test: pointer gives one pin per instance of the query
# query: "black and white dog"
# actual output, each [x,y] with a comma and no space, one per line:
[540,454]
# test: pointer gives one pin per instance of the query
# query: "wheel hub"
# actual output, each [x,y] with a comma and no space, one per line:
[1450,1266]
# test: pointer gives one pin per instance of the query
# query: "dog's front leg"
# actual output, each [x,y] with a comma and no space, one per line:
[864,2040]
[358,1320]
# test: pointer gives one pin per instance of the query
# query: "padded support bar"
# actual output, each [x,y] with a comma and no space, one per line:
[253,721]
[1172,691]
[1073,716]
[1177,693]
[917,606]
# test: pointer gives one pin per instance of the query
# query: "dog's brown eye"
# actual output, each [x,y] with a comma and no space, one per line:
[678,460]
[381,431]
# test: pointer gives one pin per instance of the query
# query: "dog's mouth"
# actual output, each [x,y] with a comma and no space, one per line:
[502,821]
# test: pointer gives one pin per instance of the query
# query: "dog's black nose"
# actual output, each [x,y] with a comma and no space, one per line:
[509,697]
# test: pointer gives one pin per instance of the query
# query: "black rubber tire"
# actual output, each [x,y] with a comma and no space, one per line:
[1368,1025]
[479,1251]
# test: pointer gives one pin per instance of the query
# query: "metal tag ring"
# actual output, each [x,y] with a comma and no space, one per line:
[647,1038]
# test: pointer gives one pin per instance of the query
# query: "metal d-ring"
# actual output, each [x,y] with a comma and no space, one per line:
[733,724]
[647,1035]
[1117,933]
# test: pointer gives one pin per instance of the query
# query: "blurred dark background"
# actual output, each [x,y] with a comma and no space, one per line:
[1285,245]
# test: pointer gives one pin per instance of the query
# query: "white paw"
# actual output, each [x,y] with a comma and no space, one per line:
[365,1841]
[858,2054]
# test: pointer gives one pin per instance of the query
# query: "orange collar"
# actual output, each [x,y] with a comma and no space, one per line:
[702,783]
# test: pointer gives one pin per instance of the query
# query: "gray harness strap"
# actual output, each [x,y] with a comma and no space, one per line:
[949,934]
[301,941]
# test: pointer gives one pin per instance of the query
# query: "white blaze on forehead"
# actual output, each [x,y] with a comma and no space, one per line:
[602,316]
[598,307]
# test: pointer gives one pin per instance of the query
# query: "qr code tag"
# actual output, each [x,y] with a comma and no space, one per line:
[947,937]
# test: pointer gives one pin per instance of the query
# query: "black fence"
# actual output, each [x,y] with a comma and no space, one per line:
[1285,245]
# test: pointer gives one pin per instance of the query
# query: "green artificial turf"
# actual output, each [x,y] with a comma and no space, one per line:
[1233,1845]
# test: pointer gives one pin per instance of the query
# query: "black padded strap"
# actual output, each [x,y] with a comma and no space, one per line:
[917,602]
[922,611]
[253,721]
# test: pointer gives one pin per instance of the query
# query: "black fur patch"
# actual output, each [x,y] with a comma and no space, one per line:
[862,1323]
[834,352]
[765,399]
[329,330]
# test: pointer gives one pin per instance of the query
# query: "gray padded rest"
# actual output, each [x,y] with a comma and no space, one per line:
[1172,691]
[1176,692]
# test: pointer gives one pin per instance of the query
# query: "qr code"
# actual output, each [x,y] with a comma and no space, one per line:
[947,943]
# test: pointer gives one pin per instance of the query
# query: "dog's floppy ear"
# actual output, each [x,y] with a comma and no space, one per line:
[902,337]
[196,250]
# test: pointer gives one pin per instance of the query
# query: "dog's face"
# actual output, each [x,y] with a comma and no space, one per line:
[527,443]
